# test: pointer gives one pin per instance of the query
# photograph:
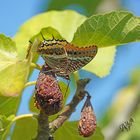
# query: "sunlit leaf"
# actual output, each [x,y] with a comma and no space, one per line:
[13,72]
[47,33]
[110,29]
[65,22]
[8,105]
[102,63]
[4,122]
[23,128]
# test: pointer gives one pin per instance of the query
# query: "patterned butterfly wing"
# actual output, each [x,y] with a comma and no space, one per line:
[65,58]
[79,57]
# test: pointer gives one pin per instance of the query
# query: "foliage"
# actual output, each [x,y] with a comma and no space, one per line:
[109,29]
[25,123]
[106,31]
[67,31]
[25,127]
[13,71]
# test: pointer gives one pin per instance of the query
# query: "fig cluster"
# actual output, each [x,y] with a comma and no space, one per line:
[48,95]
[87,122]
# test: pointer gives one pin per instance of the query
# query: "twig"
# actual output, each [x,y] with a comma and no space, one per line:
[112,131]
[70,108]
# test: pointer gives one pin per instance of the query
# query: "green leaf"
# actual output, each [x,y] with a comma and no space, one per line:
[89,6]
[65,22]
[4,122]
[8,109]
[102,63]
[7,50]
[110,29]
[13,72]
[8,105]
[69,131]
[23,127]
[47,33]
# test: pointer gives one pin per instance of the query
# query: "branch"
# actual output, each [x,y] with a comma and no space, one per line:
[70,108]
[112,131]
[43,127]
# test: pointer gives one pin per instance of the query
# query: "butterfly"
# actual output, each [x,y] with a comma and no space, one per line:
[63,57]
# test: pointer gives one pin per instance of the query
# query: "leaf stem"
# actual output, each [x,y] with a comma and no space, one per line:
[36,66]
[22,116]
[30,83]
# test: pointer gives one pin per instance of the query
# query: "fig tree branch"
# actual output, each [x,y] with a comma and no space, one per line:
[70,108]
[45,129]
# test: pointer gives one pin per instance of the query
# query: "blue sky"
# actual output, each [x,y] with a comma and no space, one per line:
[14,13]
